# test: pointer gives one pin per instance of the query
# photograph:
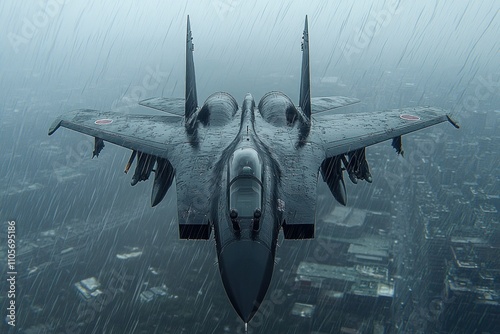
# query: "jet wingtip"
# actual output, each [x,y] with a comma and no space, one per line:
[453,122]
[55,125]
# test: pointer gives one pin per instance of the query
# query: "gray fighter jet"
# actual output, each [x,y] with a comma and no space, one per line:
[246,171]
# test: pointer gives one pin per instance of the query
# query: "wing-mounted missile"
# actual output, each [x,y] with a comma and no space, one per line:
[218,110]
[130,161]
[145,164]
[331,170]
[357,166]
[164,175]
[277,109]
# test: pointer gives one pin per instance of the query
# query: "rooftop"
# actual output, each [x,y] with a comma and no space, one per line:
[367,280]
[345,216]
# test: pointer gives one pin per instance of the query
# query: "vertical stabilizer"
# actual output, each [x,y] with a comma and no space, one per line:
[191,102]
[305,79]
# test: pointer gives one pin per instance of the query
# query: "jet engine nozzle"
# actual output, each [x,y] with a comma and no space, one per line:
[277,109]
[218,110]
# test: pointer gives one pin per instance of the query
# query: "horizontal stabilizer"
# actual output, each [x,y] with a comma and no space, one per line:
[327,103]
[173,105]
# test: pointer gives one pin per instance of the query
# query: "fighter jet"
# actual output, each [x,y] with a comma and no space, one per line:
[248,171]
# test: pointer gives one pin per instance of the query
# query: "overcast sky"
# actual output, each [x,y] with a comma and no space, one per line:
[77,42]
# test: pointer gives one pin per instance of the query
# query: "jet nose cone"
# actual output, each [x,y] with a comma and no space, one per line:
[246,268]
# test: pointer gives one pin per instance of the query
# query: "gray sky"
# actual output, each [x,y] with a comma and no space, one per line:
[85,43]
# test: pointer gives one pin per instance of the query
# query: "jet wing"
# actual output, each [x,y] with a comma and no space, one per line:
[333,135]
[342,133]
[163,137]
[151,134]
[328,103]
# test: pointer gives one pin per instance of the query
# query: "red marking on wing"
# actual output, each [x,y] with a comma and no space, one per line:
[103,121]
[408,117]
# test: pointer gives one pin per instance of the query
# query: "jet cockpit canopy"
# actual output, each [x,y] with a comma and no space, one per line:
[245,182]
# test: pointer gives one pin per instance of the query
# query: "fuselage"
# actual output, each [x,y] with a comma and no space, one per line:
[245,216]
